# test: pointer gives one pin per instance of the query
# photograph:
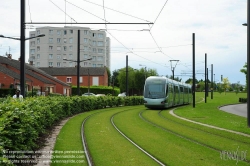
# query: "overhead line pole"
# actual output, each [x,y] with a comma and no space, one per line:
[22,48]
[205,77]
[193,87]
[248,62]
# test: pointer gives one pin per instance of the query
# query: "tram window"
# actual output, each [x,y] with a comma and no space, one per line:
[181,89]
[166,90]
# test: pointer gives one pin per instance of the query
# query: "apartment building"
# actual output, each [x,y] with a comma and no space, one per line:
[60,43]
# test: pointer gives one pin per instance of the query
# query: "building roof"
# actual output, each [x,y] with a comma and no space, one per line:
[29,70]
[10,73]
[70,71]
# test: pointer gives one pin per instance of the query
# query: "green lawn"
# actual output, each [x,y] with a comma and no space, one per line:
[171,140]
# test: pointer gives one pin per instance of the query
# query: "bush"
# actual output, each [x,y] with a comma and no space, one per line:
[23,122]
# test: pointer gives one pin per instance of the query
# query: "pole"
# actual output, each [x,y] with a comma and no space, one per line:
[127,92]
[212,82]
[22,49]
[205,77]
[207,83]
[248,62]
[78,63]
[88,81]
[193,89]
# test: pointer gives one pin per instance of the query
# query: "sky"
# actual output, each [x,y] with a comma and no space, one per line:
[217,25]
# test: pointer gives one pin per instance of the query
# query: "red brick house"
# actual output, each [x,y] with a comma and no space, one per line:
[34,77]
[88,75]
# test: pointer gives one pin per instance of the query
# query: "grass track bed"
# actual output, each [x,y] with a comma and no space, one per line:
[236,137]
[219,143]
[107,146]
[69,138]
[166,147]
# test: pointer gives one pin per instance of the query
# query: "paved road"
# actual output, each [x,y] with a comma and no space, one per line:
[237,109]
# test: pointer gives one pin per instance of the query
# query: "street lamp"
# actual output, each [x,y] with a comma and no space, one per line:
[78,72]
[145,70]
[22,58]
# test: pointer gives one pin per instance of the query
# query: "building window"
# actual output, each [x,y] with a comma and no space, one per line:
[99,58]
[85,40]
[58,64]
[94,65]
[64,64]
[51,32]
[50,56]
[38,64]
[38,48]
[50,48]
[58,40]
[70,64]
[64,40]
[70,48]
[85,32]
[38,40]
[70,56]
[70,40]
[50,40]
[32,35]
[85,48]
[64,56]
[32,51]
[32,43]
[68,79]
[94,35]
[100,43]
[58,56]
[65,32]
[50,63]
[58,48]
[94,43]
[100,65]
[80,79]
[100,35]
[100,50]
[85,63]
[71,31]
[38,32]
[65,48]
[94,49]
[38,56]
[58,32]
[94,58]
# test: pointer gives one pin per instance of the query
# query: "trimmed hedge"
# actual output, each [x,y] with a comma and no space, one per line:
[97,90]
[23,122]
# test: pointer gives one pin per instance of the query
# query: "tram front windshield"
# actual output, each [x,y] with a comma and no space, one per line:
[154,91]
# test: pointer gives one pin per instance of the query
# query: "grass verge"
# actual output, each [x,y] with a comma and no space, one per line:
[209,113]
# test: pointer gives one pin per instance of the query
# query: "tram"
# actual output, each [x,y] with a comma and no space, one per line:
[162,92]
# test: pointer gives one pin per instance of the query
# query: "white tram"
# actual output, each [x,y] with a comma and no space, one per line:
[162,92]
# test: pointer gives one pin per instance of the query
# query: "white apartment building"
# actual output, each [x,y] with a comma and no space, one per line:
[60,43]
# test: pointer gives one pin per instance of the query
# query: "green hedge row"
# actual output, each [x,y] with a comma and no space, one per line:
[23,122]
[97,90]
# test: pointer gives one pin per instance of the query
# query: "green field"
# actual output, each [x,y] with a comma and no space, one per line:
[168,139]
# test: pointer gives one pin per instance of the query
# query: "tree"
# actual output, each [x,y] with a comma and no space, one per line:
[244,70]
[225,84]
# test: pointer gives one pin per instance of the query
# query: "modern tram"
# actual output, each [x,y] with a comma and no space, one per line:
[162,92]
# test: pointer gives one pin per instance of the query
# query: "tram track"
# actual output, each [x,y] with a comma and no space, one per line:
[183,136]
[159,113]
[175,133]
[132,142]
